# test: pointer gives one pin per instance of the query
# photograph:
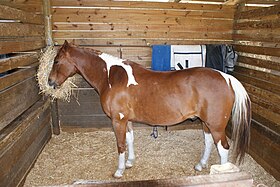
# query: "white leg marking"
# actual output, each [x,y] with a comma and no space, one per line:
[114,61]
[121,115]
[131,156]
[222,152]
[206,154]
[121,167]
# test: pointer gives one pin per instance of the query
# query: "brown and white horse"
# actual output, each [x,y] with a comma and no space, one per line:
[129,92]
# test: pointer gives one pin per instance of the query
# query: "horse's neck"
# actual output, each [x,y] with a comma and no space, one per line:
[93,69]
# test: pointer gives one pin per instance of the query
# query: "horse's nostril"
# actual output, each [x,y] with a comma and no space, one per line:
[51,83]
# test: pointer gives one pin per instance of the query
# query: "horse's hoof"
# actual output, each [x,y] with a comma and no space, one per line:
[129,164]
[119,173]
[198,167]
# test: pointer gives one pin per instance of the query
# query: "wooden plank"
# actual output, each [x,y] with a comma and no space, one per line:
[18,76]
[270,127]
[252,24]
[22,95]
[22,44]
[140,42]
[9,13]
[142,35]
[274,117]
[20,30]
[258,36]
[29,158]
[259,13]
[18,157]
[21,146]
[141,5]
[265,76]
[271,109]
[191,26]
[227,179]
[270,2]
[29,6]
[259,63]
[99,13]
[258,50]
[261,93]
[265,151]
[135,19]
[17,128]
[86,112]
[82,121]
[18,61]
[257,83]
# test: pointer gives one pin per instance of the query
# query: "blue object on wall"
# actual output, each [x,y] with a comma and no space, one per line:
[161,55]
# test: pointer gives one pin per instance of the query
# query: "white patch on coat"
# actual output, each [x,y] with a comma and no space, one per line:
[131,156]
[114,61]
[121,115]
[222,152]
[121,166]
[207,151]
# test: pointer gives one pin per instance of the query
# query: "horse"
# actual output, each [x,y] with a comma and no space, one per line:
[130,93]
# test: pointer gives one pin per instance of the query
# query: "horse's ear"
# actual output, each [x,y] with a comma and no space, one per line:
[65,43]
[64,46]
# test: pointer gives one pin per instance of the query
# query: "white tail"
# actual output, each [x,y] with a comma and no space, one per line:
[241,117]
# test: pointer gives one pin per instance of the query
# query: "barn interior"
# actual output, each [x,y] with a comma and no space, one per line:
[127,29]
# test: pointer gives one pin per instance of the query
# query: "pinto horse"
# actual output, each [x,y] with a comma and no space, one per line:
[129,92]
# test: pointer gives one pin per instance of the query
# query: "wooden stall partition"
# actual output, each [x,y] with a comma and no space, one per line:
[24,115]
[128,29]
[256,38]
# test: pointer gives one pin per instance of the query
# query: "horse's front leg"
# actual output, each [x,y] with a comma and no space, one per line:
[130,146]
[119,127]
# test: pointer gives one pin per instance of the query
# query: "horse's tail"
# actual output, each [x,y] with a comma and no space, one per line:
[241,120]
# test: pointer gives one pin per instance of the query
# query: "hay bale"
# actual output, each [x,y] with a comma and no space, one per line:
[46,61]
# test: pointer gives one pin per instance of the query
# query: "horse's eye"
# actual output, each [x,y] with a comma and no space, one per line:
[55,62]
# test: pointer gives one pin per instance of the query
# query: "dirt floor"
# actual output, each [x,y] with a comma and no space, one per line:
[71,157]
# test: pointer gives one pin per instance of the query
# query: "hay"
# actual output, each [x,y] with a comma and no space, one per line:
[46,61]
[93,156]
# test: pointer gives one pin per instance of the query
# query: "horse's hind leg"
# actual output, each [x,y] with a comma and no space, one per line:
[221,143]
[129,142]
[207,149]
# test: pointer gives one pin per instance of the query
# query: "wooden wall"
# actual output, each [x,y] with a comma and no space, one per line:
[24,115]
[256,38]
[128,30]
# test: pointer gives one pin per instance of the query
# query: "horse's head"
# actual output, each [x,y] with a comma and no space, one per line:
[63,67]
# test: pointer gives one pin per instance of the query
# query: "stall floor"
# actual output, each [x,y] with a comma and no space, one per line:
[71,157]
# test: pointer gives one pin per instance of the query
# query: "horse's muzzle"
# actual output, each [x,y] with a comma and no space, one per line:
[52,83]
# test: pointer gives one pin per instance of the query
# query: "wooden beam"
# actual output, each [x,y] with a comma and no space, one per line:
[240,179]
[18,61]
[17,99]
[22,16]
[234,2]
[21,143]
[21,44]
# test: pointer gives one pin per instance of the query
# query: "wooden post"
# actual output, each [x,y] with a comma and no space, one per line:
[48,24]
[49,42]
[55,118]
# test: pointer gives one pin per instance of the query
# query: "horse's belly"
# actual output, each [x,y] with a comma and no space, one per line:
[164,113]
